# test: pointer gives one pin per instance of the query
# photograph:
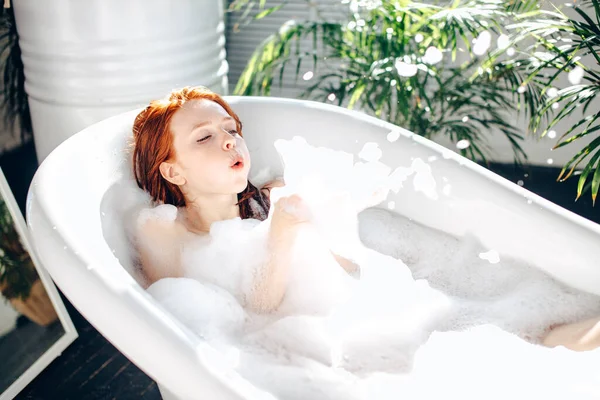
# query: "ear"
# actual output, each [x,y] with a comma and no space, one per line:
[171,173]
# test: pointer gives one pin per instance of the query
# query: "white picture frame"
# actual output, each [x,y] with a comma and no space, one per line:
[70,333]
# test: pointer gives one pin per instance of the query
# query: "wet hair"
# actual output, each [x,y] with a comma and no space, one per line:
[153,145]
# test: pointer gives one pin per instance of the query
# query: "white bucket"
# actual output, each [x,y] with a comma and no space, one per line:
[88,60]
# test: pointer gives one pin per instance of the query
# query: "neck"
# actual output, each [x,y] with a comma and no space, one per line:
[204,210]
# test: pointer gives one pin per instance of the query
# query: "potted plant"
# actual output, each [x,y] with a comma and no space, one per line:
[556,75]
[454,68]
[19,281]
[406,62]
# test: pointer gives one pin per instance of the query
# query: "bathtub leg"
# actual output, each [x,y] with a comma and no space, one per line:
[166,394]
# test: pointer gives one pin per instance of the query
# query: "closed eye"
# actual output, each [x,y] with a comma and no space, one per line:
[233,132]
[204,139]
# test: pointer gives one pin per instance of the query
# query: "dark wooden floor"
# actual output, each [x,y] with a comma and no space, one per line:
[23,345]
[91,368]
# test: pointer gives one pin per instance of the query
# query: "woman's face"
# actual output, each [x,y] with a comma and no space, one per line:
[211,158]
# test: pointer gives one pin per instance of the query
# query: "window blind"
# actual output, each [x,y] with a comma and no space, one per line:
[241,44]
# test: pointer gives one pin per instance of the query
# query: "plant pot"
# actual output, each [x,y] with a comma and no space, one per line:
[86,61]
[37,307]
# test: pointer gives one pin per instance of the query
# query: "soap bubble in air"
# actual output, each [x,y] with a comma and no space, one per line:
[482,43]
[463,144]
[433,55]
[405,69]
[552,134]
[393,136]
[576,75]
[503,42]
[285,28]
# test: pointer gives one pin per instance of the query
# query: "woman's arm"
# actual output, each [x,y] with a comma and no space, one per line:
[271,281]
[348,265]
[159,249]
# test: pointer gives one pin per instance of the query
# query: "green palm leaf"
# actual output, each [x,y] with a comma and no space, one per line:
[374,60]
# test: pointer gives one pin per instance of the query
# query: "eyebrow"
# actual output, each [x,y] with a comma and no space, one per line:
[201,124]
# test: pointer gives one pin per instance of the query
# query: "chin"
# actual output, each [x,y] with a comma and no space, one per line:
[240,186]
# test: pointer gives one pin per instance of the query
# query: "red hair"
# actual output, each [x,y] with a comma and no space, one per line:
[153,145]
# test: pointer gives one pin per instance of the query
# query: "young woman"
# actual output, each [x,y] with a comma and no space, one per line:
[188,151]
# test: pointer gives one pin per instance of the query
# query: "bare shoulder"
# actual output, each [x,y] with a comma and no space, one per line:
[160,236]
[159,225]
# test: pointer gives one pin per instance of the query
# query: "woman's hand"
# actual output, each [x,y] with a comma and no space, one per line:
[291,210]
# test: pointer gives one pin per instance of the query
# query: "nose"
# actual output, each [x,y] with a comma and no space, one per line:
[228,142]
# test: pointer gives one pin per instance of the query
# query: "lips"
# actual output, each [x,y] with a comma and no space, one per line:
[237,162]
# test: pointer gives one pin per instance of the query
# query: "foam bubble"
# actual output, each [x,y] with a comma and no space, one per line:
[228,257]
[492,256]
[576,75]
[370,152]
[482,43]
[433,55]
[393,136]
[405,69]
[207,309]
[163,212]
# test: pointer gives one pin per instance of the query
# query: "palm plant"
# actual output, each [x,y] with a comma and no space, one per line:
[553,45]
[357,60]
[14,107]
[386,57]
[17,272]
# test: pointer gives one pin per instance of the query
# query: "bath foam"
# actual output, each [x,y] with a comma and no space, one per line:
[228,256]
[378,342]
[484,291]
[487,362]
[210,311]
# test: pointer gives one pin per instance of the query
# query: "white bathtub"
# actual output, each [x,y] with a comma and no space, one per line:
[73,213]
